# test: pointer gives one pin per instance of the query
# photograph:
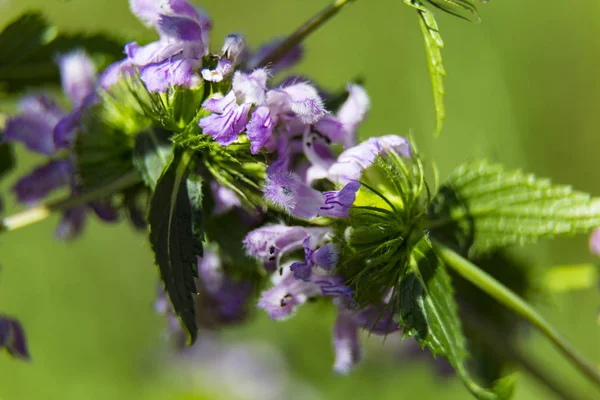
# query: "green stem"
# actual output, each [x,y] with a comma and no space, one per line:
[504,295]
[301,33]
[39,213]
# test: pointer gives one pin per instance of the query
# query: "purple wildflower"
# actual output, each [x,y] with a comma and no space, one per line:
[346,343]
[351,163]
[230,113]
[35,124]
[34,187]
[338,203]
[325,256]
[12,337]
[270,243]
[287,191]
[288,293]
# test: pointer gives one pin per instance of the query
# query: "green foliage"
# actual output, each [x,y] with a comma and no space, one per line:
[173,241]
[392,200]
[152,153]
[30,45]
[464,9]
[429,314]
[434,44]
[482,207]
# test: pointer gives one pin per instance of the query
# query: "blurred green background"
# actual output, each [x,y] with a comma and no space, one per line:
[523,88]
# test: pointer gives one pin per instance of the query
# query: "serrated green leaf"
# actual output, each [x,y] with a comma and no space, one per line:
[30,45]
[173,241]
[485,207]
[429,314]
[152,152]
[433,50]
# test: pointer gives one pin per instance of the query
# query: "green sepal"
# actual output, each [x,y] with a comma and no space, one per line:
[172,238]
[429,313]
[482,207]
[465,9]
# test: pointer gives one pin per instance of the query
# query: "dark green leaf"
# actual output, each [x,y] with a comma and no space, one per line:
[429,314]
[30,45]
[172,238]
[152,152]
[482,207]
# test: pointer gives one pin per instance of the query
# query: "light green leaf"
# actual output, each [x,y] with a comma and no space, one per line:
[429,314]
[433,50]
[152,152]
[172,238]
[482,207]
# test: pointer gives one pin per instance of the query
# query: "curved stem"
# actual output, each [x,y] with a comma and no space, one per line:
[301,33]
[504,295]
[39,213]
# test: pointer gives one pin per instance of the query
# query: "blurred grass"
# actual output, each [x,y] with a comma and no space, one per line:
[523,88]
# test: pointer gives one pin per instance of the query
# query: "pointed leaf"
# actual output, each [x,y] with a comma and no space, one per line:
[152,152]
[173,241]
[429,314]
[482,207]
[433,50]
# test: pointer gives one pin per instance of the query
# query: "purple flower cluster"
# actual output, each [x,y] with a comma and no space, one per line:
[45,128]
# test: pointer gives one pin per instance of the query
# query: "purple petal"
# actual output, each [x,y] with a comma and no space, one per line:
[233,47]
[225,199]
[174,72]
[260,128]
[114,72]
[338,203]
[72,223]
[223,68]
[146,10]
[318,151]
[331,128]
[250,88]
[595,242]
[65,131]
[105,210]
[301,271]
[346,343]
[78,76]
[12,337]
[34,187]
[177,28]
[351,163]
[226,126]
[286,296]
[288,192]
[353,112]
[287,61]
[304,100]
[34,126]
[326,256]
[269,242]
